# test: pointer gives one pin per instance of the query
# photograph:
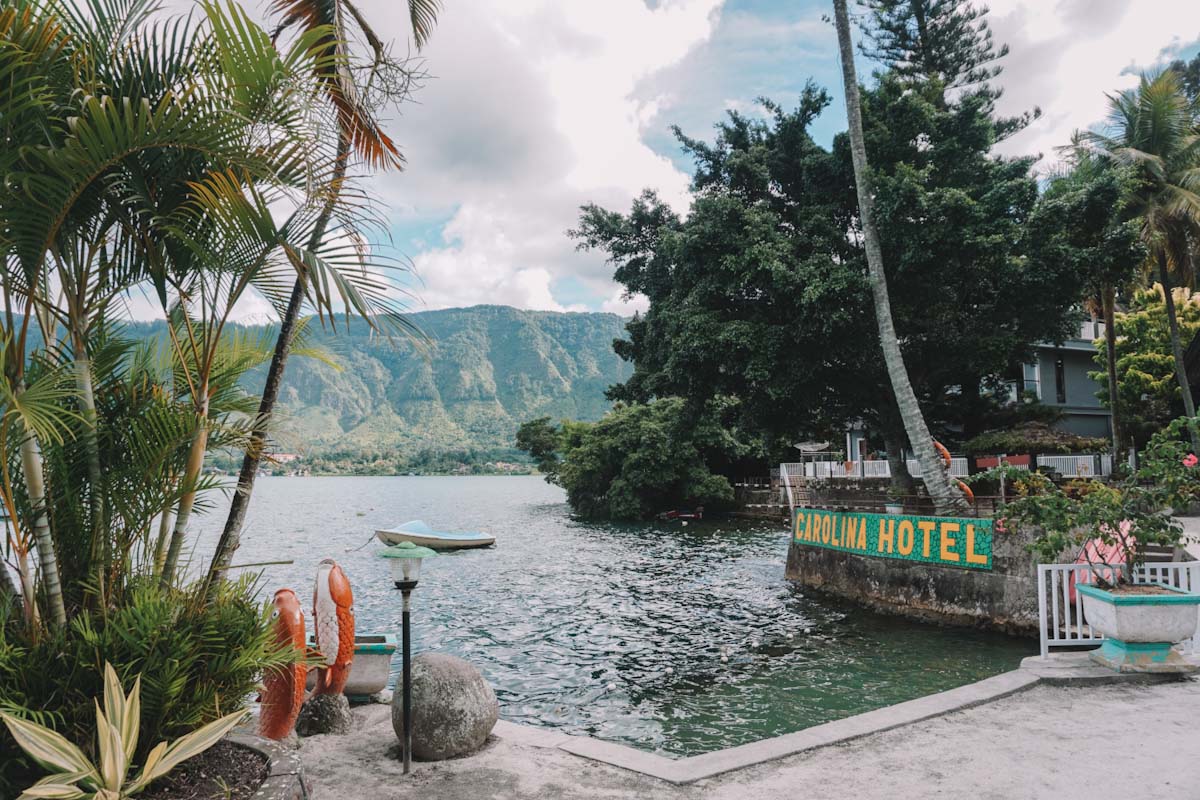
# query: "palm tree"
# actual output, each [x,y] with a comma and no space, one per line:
[1152,130]
[357,133]
[946,497]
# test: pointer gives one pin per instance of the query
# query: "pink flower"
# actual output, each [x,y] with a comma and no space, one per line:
[1000,525]
[1190,460]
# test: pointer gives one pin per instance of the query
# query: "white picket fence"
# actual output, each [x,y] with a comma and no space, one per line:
[862,469]
[1078,466]
[1061,621]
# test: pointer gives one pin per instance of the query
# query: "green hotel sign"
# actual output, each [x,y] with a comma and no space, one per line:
[950,541]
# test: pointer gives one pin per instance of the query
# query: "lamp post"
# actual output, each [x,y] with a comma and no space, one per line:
[405,560]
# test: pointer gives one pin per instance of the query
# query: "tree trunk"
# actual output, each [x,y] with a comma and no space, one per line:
[160,544]
[191,474]
[1189,407]
[91,444]
[902,479]
[28,590]
[35,484]
[231,535]
[9,593]
[946,497]
[1110,356]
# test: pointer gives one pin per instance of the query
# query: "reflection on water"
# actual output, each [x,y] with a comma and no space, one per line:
[670,638]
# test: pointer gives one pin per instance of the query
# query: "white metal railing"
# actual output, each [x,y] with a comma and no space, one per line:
[958,467]
[1061,621]
[1077,466]
[861,469]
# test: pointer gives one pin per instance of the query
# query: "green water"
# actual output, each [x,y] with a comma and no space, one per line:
[669,638]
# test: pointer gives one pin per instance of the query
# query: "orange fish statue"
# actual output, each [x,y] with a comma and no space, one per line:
[333,615]
[283,687]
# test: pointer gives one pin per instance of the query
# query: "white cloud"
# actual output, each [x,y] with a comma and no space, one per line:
[1066,55]
[532,113]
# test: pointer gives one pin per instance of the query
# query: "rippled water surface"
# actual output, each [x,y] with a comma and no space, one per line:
[615,631]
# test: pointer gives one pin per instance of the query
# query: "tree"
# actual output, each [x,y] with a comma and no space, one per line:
[1147,392]
[638,460]
[1152,130]
[944,40]
[357,133]
[1189,76]
[946,497]
[1081,221]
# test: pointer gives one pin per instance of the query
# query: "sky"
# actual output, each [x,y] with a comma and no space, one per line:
[536,107]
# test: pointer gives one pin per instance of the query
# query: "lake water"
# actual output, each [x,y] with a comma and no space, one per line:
[614,631]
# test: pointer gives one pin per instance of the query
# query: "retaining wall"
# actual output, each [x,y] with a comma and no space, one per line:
[1004,598]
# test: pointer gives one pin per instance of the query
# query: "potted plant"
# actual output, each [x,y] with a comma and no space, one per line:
[895,500]
[1110,526]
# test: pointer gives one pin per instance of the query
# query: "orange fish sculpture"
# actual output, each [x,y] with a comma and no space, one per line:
[283,688]
[333,615]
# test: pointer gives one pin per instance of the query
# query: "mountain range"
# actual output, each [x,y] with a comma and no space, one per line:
[476,375]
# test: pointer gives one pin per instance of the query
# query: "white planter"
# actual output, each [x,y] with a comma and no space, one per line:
[371,667]
[1140,629]
[894,508]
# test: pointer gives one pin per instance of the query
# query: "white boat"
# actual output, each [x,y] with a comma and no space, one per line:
[418,532]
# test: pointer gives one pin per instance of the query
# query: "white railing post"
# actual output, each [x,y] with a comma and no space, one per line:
[1041,590]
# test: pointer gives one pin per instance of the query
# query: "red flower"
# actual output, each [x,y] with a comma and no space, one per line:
[1190,460]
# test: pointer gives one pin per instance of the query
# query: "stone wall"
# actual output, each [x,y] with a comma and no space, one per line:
[1004,598]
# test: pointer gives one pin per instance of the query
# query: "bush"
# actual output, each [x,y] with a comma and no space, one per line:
[1032,437]
[198,661]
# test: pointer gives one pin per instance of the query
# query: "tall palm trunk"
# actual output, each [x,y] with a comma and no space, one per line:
[35,484]
[231,535]
[1189,407]
[91,444]
[1108,301]
[9,593]
[191,475]
[946,497]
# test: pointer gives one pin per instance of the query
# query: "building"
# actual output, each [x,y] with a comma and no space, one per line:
[1059,378]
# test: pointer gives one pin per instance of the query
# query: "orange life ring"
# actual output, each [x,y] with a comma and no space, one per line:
[966,490]
[942,451]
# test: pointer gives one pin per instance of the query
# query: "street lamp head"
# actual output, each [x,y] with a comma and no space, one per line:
[405,560]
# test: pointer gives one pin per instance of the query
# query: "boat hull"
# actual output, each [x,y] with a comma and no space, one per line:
[435,542]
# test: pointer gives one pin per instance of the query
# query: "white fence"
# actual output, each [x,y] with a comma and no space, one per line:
[1080,466]
[1061,622]
[861,469]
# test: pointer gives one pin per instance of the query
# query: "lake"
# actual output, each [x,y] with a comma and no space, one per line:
[671,638]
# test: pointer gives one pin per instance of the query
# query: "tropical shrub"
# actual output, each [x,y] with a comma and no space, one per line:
[198,661]
[118,729]
[638,460]
[1032,437]
[1130,515]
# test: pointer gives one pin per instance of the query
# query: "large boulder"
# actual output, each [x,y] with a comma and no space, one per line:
[453,708]
[324,713]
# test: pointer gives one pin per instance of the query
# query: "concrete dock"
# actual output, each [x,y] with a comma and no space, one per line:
[1054,730]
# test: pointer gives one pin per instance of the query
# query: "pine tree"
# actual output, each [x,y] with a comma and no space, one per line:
[947,40]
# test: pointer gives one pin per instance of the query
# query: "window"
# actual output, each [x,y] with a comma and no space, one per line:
[1060,380]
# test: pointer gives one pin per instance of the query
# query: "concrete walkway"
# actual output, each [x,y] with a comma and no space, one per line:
[1061,742]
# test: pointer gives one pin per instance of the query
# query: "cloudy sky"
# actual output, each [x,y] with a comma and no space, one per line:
[539,106]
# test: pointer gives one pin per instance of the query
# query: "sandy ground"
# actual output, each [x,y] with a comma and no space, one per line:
[1049,742]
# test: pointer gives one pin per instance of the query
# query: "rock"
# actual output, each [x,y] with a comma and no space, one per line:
[453,708]
[324,713]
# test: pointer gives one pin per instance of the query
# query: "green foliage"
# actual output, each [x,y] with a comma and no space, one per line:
[198,662]
[639,460]
[1031,437]
[1016,481]
[1130,514]
[1147,389]
[944,40]
[759,294]
[118,728]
